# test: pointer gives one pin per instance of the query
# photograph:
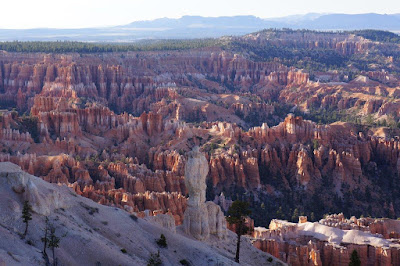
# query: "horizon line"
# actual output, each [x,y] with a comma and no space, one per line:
[177,18]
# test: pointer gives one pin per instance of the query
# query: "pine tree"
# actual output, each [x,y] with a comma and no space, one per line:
[26,215]
[237,214]
[295,215]
[45,240]
[312,217]
[162,241]
[354,259]
[279,213]
[154,259]
[50,240]
[53,242]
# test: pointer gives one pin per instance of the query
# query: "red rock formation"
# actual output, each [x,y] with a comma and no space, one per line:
[113,128]
[346,45]
[231,169]
[287,242]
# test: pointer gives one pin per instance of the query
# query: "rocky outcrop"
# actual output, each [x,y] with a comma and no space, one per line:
[201,218]
[362,98]
[344,44]
[316,244]
[388,228]
[233,168]
[165,220]
[42,202]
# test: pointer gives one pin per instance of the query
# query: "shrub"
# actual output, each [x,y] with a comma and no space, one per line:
[184,262]
[124,250]
[162,241]
[154,259]
[91,210]
[133,217]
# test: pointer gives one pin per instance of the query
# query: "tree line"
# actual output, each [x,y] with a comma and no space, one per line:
[85,47]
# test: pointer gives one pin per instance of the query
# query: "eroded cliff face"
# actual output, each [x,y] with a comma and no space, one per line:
[344,44]
[137,163]
[326,243]
[132,83]
[117,128]
[360,97]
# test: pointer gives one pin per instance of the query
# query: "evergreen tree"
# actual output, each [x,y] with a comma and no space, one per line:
[295,215]
[312,217]
[237,214]
[45,240]
[50,240]
[279,213]
[354,259]
[154,259]
[26,215]
[53,242]
[162,241]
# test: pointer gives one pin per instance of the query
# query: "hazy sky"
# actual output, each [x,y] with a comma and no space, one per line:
[88,13]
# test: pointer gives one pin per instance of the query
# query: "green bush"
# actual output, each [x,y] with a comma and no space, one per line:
[154,259]
[162,241]
[184,262]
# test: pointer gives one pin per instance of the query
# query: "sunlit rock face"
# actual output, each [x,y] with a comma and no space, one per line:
[331,240]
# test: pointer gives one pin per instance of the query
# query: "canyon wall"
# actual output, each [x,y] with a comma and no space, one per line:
[116,127]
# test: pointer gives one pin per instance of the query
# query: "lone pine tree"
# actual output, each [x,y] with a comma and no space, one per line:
[50,240]
[26,215]
[237,214]
[355,259]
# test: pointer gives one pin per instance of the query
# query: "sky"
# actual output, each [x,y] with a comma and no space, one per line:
[93,13]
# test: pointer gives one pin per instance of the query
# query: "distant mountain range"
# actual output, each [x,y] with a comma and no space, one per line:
[203,27]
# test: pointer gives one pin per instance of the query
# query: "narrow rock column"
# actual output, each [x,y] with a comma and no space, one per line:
[200,218]
[195,220]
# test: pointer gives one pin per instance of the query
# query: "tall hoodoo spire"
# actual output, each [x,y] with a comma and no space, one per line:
[201,218]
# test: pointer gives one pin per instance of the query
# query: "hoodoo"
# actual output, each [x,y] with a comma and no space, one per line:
[201,218]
